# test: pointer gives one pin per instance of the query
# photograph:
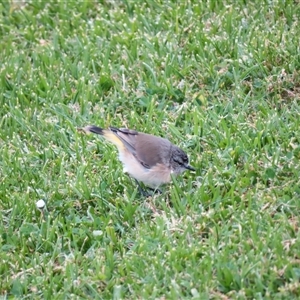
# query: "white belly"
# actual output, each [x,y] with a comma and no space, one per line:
[153,177]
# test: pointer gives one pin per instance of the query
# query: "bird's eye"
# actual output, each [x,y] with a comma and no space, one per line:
[178,161]
[184,159]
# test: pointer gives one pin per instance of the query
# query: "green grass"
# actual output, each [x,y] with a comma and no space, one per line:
[218,78]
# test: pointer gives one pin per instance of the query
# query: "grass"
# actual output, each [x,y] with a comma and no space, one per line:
[218,78]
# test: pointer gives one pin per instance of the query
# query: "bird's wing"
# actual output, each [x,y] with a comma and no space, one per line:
[127,137]
[148,149]
[152,150]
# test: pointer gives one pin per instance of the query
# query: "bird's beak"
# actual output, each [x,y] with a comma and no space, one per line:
[188,167]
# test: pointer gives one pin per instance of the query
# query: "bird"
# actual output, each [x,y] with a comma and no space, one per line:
[147,158]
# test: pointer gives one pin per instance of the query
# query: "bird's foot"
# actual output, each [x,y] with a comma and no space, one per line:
[145,192]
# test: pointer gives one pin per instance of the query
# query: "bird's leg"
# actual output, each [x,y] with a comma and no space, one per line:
[141,190]
[144,192]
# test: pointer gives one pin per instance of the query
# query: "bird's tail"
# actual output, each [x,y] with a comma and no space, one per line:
[107,134]
[93,129]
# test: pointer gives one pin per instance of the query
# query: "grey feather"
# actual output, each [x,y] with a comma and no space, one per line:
[148,149]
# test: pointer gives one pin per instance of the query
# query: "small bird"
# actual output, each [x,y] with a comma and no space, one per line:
[147,158]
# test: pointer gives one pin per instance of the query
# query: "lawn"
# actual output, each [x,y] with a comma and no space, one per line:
[220,79]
